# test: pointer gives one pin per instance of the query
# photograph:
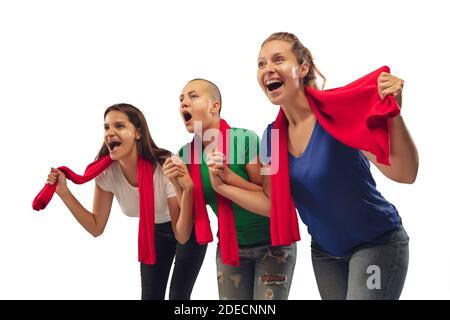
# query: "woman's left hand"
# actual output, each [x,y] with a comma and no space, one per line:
[390,85]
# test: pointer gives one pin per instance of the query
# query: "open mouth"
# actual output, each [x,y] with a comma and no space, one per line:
[273,85]
[187,116]
[113,144]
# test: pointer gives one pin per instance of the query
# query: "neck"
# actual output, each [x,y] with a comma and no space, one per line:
[129,166]
[298,109]
[215,124]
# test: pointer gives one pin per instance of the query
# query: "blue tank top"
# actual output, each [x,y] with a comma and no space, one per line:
[336,195]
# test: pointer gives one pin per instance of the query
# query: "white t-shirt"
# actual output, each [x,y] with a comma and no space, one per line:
[113,180]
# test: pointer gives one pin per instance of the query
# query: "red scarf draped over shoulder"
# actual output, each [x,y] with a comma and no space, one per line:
[355,115]
[146,243]
[227,228]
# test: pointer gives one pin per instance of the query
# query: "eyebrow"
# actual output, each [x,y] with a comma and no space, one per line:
[115,123]
[189,93]
[275,54]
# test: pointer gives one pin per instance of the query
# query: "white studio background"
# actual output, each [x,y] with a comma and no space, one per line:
[63,62]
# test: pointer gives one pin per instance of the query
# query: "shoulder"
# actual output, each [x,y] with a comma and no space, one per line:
[183,149]
[267,134]
[266,143]
[268,128]
[158,170]
[242,132]
[159,179]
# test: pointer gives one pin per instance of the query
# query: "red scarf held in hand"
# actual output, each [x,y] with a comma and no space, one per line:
[146,243]
[354,115]
[227,228]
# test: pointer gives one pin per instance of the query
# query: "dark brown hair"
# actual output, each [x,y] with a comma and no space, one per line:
[302,54]
[146,147]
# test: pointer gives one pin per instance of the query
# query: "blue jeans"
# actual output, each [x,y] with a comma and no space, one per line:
[265,273]
[375,271]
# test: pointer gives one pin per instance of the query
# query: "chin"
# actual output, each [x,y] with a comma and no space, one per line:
[190,129]
[116,156]
[113,157]
[275,101]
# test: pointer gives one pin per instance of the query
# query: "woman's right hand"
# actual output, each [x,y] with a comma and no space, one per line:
[185,181]
[173,169]
[57,176]
[216,181]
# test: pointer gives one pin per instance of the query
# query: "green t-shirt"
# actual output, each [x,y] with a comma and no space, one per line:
[251,228]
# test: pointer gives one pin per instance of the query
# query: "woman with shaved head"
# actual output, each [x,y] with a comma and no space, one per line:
[248,266]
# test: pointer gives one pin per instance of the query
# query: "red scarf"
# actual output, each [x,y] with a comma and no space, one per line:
[146,243]
[227,228]
[354,115]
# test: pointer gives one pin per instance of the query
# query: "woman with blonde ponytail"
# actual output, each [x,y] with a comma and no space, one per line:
[319,151]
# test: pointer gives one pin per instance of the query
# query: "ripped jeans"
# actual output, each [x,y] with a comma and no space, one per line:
[265,273]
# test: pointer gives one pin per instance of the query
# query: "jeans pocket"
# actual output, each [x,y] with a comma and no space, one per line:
[284,249]
[318,254]
[279,253]
[399,236]
[164,231]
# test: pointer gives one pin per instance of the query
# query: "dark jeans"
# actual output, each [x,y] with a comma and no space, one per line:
[188,261]
[374,271]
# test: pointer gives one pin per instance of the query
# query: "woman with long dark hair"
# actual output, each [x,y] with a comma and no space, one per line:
[129,145]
